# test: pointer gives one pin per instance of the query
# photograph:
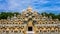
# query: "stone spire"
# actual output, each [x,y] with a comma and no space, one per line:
[44,15]
[8,18]
[50,17]
[14,16]
[29,9]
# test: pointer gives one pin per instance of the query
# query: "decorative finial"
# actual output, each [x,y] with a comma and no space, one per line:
[35,12]
[44,15]
[8,18]
[50,17]
[29,9]
[15,15]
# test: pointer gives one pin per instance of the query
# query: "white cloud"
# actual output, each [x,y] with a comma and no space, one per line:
[53,8]
[19,5]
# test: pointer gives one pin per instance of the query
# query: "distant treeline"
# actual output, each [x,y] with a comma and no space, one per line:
[4,15]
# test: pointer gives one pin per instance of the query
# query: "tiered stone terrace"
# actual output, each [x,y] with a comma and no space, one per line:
[29,22]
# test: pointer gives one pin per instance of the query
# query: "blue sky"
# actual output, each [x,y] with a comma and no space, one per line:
[38,5]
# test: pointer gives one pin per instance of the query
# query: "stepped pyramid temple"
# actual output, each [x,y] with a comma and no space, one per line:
[29,22]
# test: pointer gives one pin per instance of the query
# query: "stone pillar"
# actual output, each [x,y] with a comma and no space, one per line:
[7,32]
[56,32]
[52,32]
[11,32]
[0,32]
[3,32]
[18,32]
[40,32]
[48,32]
[44,32]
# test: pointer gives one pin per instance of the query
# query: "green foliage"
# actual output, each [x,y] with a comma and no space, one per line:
[52,15]
[58,16]
[4,15]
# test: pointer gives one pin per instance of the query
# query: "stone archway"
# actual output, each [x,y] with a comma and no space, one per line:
[30,28]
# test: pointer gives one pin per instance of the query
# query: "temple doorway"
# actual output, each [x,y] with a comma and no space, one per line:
[30,28]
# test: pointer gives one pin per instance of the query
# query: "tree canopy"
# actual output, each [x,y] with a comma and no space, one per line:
[4,15]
